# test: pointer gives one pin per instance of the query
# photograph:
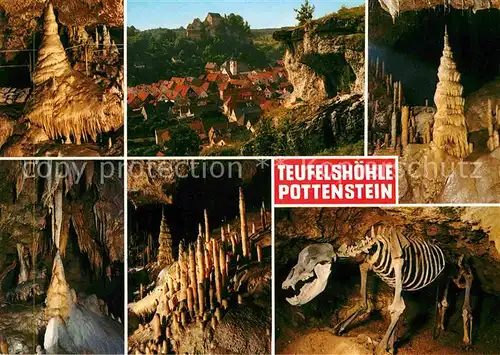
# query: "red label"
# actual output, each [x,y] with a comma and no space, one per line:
[335,181]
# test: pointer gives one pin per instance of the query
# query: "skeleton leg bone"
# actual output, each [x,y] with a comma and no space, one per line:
[396,309]
[467,309]
[442,306]
[363,308]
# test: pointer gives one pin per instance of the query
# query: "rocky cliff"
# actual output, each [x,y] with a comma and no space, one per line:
[325,57]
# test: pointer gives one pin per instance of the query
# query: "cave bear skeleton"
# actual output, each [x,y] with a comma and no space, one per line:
[404,262]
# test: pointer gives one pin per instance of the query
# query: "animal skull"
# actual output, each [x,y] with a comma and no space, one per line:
[309,277]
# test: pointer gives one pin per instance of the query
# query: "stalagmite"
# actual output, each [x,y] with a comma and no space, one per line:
[222,237]
[217,274]
[182,264]
[393,129]
[64,102]
[165,253]
[200,230]
[253,228]
[428,130]
[156,327]
[193,282]
[58,300]
[164,348]
[211,296]
[201,300]
[450,130]
[200,262]
[223,269]
[190,300]
[207,228]
[376,67]
[395,97]
[383,69]
[244,230]
[263,216]
[492,132]
[405,116]
[259,253]
[207,260]
[23,266]
[400,95]
[183,319]
[386,140]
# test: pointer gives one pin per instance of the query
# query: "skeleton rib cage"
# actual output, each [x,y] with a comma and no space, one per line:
[423,261]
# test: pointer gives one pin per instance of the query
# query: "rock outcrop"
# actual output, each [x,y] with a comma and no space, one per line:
[325,57]
[396,7]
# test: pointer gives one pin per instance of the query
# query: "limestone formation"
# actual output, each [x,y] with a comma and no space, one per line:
[165,254]
[244,229]
[64,102]
[405,116]
[450,130]
[393,130]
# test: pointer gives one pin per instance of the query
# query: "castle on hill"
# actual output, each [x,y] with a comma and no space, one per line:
[197,28]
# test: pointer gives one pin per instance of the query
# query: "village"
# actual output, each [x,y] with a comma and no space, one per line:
[220,105]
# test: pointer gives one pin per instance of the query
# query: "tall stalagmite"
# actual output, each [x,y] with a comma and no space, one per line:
[244,229]
[64,102]
[450,130]
[165,254]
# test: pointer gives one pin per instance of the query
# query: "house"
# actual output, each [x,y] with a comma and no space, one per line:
[199,128]
[245,112]
[162,136]
[211,67]
[195,29]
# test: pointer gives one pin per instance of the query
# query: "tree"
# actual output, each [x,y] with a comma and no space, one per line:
[305,13]
[184,142]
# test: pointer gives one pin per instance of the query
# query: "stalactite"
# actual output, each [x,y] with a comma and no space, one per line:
[243,221]
[450,130]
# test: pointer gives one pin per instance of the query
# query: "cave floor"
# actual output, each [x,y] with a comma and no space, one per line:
[357,341]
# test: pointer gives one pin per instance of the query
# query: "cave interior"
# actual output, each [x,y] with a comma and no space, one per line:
[309,328]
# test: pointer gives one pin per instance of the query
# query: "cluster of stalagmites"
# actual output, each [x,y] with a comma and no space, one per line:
[449,130]
[200,285]
[64,102]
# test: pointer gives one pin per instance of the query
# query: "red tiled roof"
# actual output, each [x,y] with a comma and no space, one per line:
[212,77]
[224,86]
[143,95]
[198,127]
[178,80]
[266,104]
[131,96]
[242,83]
